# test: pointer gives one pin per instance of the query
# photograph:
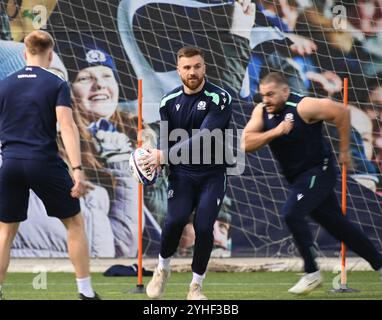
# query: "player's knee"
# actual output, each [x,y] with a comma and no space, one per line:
[8,231]
[176,223]
[76,221]
[204,232]
[290,217]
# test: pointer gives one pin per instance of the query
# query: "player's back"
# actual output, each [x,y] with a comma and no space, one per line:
[28,100]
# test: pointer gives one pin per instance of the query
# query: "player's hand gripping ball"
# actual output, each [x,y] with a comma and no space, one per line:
[145,177]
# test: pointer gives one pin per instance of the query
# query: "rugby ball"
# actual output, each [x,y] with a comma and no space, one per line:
[144,177]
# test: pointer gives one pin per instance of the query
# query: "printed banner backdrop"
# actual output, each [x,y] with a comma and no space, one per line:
[103,47]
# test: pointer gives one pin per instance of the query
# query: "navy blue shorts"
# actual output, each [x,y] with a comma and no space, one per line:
[51,182]
[310,190]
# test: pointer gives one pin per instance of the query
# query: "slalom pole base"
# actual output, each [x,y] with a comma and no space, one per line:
[140,288]
[344,289]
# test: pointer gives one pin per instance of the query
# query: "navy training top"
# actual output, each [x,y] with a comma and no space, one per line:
[28,100]
[304,147]
[198,113]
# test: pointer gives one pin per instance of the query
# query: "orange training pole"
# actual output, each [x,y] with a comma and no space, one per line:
[140,187]
[344,180]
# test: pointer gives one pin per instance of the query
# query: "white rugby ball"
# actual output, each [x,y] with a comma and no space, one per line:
[144,177]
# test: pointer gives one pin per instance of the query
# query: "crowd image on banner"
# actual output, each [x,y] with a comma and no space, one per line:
[104,47]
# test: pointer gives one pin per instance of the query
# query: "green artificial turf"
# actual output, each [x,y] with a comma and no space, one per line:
[217,286]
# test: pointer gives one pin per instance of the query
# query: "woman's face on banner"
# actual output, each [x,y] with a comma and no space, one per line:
[96,90]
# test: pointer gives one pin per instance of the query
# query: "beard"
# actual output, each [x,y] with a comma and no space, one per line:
[274,108]
[192,83]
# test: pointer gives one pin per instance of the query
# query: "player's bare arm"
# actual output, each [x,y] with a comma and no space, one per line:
[313,109]
[253,138]
[71,140]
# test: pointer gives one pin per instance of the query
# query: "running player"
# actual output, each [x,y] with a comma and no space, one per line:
[292,126]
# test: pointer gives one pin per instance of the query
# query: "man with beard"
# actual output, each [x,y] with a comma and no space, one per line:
[196,181]
[292,125]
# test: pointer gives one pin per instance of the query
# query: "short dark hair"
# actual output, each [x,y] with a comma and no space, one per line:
[274,77]
[38,42]
[189,51]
